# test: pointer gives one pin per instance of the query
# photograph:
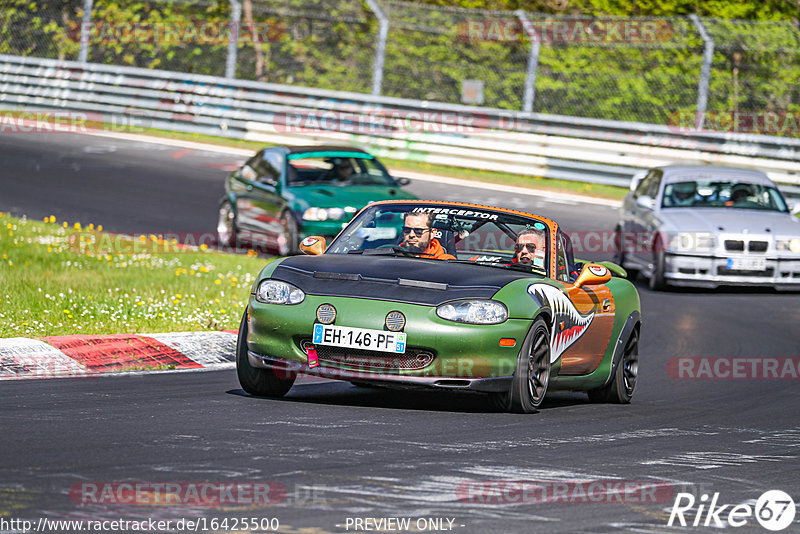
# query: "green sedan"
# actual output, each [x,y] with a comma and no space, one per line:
[282,195]
[444,295]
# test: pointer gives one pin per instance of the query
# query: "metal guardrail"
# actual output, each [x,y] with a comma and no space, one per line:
[553,146]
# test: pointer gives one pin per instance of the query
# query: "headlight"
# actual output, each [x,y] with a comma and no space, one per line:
[277,292]
[473,312]
[323,214]
[792,245]
[693,241]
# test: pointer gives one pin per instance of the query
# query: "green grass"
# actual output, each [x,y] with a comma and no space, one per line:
[396,166]
[56,279]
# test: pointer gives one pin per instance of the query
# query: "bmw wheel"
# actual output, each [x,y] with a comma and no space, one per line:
[532,375]
[657,281]
[620,389]
[256,381]
[226,226]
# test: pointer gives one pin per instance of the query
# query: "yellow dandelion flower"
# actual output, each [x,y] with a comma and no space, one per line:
[99,227]
[218,281]
[52,218]
[65,225]
[77,226]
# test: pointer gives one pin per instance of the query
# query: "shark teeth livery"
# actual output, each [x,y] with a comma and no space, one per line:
[575,323]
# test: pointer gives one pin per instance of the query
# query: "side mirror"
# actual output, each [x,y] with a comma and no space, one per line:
[645,202]
[794,207]
[593,274]
[402,181]
[313,245]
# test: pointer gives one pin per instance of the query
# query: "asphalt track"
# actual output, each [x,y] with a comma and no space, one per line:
[343,452]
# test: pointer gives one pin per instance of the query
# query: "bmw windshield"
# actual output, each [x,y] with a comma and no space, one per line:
[450,233]
[722,194]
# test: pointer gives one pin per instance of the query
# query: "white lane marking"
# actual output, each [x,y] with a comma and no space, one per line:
[714,460]
[209,349]
[548,196]
[31,358]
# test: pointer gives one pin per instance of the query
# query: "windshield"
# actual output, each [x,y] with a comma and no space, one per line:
[448,232]
[722,194]
[336,168]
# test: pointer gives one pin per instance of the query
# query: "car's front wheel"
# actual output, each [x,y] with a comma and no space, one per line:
[260,382]
[657,281]
[620,389]
[532,375]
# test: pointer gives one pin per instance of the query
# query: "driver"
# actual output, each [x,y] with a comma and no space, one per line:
[418,238]
[342,169]
[740,193]
[682,194]
[530,248]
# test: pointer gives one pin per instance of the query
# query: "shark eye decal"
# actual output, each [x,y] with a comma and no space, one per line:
[568,323]
[598,270]
[307,242]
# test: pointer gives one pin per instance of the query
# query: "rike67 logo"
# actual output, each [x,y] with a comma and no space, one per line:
[774,510]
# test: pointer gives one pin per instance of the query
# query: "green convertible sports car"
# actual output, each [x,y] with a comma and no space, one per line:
[282,195]
[444,295]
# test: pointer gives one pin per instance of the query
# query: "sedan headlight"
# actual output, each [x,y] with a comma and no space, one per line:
[323,214]
[787,245]
[693,242]
[277,292]
[473,312]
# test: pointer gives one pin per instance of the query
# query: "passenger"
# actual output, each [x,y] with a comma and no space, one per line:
[530,248]
[418,237]
[682,194]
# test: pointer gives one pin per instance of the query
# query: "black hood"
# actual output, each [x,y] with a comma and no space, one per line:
[399,279]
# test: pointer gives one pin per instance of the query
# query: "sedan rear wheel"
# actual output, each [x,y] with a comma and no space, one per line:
[257,381]
[532,375]
[226,226]
[620,389]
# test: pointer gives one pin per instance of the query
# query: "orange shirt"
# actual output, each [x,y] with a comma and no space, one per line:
[437,251]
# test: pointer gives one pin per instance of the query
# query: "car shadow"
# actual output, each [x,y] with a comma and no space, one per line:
[340,393]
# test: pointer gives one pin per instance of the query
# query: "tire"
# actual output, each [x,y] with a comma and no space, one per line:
[288,245]
[619,254]
[532,375]
[227,229]
[255,381]
[622,385]
[657,281]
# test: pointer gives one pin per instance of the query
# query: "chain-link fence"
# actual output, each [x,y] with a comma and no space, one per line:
[634,69]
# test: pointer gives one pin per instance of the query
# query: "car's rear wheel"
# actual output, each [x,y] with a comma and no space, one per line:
[260,382]
[532,375]
[288,243]
[620,389]
[226,225]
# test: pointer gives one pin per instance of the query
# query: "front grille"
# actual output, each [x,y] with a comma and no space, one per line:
[732,244]
[725,271]
[758,246]
[414,358]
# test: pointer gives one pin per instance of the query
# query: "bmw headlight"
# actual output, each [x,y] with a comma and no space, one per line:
[323,214]
[473,312]
[788,245]
[277,292]
[693,242]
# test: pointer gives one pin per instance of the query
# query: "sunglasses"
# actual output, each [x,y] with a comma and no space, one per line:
[416,231]
[530,247]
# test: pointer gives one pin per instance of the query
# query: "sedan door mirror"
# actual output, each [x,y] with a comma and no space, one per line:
[794,207]
[402,181]
[645,202]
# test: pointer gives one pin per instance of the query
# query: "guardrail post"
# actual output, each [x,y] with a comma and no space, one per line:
[233,38]
[533,60]
[380,46]
[83,53]
[705,71]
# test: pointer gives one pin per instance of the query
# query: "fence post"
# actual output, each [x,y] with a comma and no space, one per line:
[533,60]
[705,71]
[380,48]
[83,53]
[234,26]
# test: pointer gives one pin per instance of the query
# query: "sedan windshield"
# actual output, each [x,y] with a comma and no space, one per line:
[336,168]
[722,194]
[451,233]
